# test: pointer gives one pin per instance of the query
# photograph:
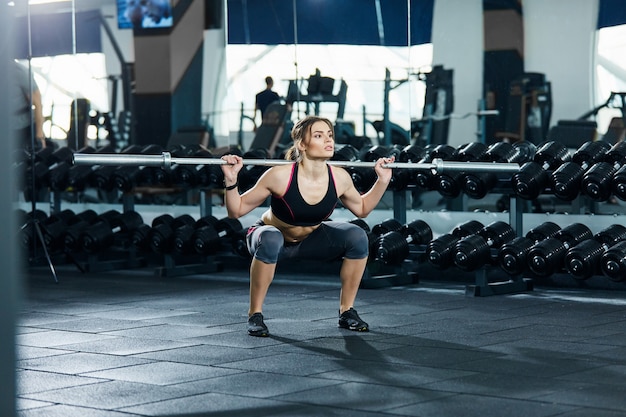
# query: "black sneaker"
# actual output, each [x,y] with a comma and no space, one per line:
[350,320]
[256,327]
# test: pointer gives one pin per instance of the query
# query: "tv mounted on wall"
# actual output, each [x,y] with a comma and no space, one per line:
[144,14]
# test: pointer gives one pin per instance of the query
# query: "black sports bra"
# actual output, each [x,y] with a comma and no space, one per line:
[292,209]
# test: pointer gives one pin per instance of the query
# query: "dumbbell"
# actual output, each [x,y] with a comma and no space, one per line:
[478,184]
[162,175]
[101,235]
[474,251]
[608,177]
[512,255]
[440,251]
[583,260]
[189,176]
[183,236]
[102,176]
[393,247]
[567,180]
[450,184]
[613,262]
[402,178]
[43,220]
[58,173]
[426,180]
[208,239]
[546,257]
[161,237]
[250,174]
[54,233]
[79,176]
[72,236]
[364,178]
[532,177]
[125,178]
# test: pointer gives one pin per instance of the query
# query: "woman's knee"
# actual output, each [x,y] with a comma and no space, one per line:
[355,241]
[267,245]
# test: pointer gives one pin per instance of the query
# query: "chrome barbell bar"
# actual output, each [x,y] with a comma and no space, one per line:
[166,160]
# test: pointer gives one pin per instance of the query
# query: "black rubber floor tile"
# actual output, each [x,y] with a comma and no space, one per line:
[213,405]
[595,412]
[210,319]
[205,354]
[436,356]
[612,375]
[79,363]
[599,395]
[58,410]
[504,386]
[556,347]
[257,384]
[165,332]
[58,338]
[359,396]
[532,363]
[138,313]
[237,338]
[35,318]
[289,364]
[89,325]
[108,395]
[29,382]
[391,375]
[317,411]
[480,406]
[125,345]
[30,352]
[158,373]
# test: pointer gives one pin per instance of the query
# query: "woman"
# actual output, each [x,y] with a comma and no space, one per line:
[303,196]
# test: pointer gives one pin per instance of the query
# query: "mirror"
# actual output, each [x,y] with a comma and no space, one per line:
[316,71]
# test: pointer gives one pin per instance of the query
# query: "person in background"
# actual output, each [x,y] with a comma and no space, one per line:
[265,97]
[26,97]
[296,226]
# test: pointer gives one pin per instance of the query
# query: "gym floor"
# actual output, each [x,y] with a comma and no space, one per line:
[127,343]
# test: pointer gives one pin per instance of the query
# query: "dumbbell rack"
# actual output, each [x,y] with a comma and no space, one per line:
[482,286]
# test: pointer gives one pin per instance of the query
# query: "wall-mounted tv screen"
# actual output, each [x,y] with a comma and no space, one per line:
[144,14]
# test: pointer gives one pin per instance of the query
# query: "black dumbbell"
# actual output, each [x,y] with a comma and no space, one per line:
[567,180]
[54,233]
[161,238]
[583,260]
[546,257]
[184,235]
[474,251]
[426,179]
[512,255]
[101,235]
[102,176]
[80,176]
[532,178]
[209,239]
[393,247]
[126,178]
[440,251]
[450,184]
[478,184]
[613,262]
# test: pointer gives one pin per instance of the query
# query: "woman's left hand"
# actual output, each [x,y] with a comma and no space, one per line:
[384,174]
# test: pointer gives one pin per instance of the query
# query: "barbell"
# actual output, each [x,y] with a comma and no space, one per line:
[166,160]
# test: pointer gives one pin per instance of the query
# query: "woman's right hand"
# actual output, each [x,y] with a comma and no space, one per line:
[231,168]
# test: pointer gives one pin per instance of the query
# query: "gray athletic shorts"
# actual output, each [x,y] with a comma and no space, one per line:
[330,241]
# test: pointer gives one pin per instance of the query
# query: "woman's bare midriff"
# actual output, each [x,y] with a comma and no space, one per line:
[290,232]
